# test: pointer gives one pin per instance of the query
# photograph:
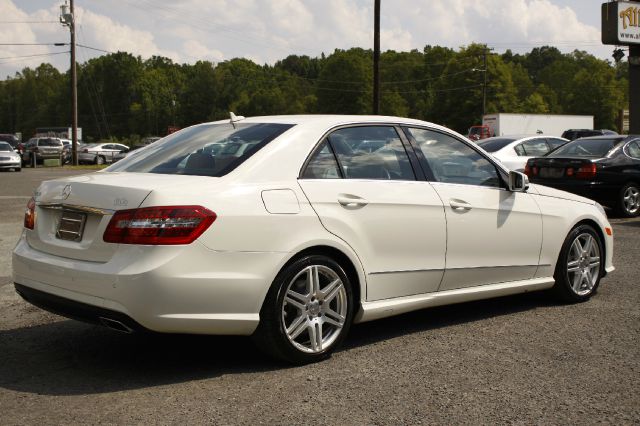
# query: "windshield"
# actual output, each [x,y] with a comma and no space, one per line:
[5,147]
[203,150]
[494,144]
[595,148]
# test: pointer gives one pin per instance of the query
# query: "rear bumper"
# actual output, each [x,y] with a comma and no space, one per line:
[172,289]
[77,310]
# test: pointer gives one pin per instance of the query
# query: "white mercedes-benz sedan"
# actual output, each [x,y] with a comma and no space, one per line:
[514,151]
[292,228]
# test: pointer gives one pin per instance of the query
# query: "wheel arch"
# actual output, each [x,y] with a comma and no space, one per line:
[596,226]
[347,259]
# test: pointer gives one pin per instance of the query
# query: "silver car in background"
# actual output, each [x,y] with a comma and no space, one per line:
[9,158]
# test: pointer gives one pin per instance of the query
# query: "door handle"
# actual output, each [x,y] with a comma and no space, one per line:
[348,200]
[459,205]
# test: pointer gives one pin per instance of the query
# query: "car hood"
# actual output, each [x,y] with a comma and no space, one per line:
[556,193]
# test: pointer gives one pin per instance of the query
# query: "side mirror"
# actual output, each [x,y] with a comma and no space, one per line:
[518,182]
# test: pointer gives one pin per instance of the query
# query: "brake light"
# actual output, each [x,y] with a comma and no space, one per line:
[586,172]
[530,171]
[570,171]
[34,149]
[167,225]
[30,214]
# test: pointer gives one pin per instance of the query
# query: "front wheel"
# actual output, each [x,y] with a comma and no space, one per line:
[579,267]
[307,312]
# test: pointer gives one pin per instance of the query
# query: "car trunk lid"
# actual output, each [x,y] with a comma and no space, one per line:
[73,213]
[555,168]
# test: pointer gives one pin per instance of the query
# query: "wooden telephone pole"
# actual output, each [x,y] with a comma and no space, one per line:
[67,18]
[376,58]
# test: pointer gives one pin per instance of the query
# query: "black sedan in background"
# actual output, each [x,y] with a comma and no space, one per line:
[603,168]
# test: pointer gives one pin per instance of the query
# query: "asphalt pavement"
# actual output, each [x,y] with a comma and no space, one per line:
[518,360]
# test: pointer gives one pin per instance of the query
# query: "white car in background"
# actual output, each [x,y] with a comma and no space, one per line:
[100,153]
[514,151]
[298,234]
[9,157]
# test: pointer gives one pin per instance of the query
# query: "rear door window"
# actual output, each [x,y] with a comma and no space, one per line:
[535,147]
[371,152]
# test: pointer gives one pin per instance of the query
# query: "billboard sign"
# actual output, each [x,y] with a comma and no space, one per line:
[621,23]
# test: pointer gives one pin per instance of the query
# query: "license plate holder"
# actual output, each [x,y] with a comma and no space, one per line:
[551,172]
[71,225]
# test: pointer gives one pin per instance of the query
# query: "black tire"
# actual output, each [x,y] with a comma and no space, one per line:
[271,336]
[626,208]
[564,288]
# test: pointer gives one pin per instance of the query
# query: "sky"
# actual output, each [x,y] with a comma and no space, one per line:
[268,30]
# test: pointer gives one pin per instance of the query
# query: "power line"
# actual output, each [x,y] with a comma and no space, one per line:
[33,56]
[33,44]
[29,22]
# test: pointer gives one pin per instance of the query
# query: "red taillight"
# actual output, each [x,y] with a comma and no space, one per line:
[34,149]
[530,171]
[586,172]
[570,171]
[30,214]
[167,225]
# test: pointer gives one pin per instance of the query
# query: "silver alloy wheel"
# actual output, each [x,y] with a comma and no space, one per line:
[631,200]
[583,264]
[314,308]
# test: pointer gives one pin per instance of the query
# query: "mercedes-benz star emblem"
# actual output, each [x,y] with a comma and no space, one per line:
[66,192]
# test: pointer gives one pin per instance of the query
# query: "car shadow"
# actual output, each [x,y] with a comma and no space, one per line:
[71,358]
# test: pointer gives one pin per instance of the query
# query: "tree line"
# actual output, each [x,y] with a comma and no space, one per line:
[125,97]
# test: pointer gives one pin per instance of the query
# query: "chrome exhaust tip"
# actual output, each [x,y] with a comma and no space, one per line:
[115,325]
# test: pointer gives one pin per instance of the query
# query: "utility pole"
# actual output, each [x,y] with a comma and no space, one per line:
[634,83]
[67,18]
[484,85]
[376,58]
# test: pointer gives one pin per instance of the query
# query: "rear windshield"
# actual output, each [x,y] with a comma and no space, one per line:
[495,144]
[204,150]
[595,148]
[49,142]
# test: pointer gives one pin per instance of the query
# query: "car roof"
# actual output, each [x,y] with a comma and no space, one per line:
[330,120]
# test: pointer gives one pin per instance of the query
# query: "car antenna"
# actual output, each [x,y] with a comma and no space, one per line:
[234,118]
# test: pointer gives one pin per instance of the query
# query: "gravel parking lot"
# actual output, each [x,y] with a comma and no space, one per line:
[522,359]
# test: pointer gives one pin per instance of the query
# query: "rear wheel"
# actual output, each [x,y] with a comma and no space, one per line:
[579,267]
[629,200]
[307,312]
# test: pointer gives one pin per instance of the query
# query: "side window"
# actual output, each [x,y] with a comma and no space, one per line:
[371,152]
[535,147]
[453,161]
[107,147]
[520,150]
[633,149]
[322,164]
[555,143]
